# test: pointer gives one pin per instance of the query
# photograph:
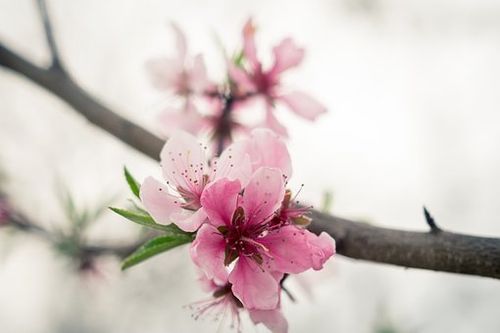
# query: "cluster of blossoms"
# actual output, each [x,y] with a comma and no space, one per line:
[249,232]
[217,108]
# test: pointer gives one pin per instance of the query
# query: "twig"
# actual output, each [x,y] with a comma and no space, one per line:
[443,251]
[56,63]
[21,222]
[430,221]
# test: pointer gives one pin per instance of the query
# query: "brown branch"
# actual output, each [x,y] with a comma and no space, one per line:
[439,251]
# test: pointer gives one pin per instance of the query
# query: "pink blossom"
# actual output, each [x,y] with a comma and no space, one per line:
[254,80]
[180,74]
[184,76]
[223,302]
[243,244]
[187,172]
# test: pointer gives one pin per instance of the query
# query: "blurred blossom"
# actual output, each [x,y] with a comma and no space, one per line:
[256,82]
[210,107]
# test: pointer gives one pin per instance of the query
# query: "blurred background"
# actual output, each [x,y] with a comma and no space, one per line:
[413,91]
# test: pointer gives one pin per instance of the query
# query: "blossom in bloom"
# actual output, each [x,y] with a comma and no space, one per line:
[223,302]
[184,76]
[187,174]
[254,80]
[243,244]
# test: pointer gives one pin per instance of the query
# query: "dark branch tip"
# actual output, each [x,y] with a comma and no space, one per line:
[430,221]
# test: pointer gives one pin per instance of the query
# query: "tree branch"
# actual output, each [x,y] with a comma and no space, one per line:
[61,85]
[21,222]
[439,251]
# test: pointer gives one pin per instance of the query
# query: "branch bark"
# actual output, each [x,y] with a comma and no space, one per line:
[438,251]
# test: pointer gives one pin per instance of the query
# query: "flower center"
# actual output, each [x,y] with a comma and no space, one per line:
[242,240]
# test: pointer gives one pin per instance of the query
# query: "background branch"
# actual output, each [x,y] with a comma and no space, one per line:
[21,222]
[439,251]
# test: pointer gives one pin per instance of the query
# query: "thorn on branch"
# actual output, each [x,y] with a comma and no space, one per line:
[430,221]
[56,63]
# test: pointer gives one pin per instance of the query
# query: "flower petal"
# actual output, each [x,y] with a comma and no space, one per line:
[219,201]
[244,83]
[180,41]
[249,44]
[198,79]
[272,319]
[189,221]
[207,252]
[234,163]
[266,149]
[189,120]
[263,195]
[254,287]
[272,123]
[183,162]
[286,55]
[165,73]
[303,105]
[293,250]
[158,202]
[323,247]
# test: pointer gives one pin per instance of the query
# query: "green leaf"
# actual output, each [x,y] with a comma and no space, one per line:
[147,221]
[132,183]
[153,247]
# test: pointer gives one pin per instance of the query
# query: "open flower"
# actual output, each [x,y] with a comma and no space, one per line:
[256,81]
[223,303]
[242,244]
[187,173]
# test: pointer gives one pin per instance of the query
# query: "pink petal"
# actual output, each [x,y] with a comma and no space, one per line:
[263,195]
[293,250]
[183,162]
[219,201]
[272,123]
[198,79]
[207,285]
[289,250]
[207,252]
[303,105]
[180,41]
[286,55]
[165,73]
[249,44]
[234,163]
[254,287]
[272,319]
[323,247]
[244,83]
[158,202]
[189,221]
[266,149]
[189,120]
